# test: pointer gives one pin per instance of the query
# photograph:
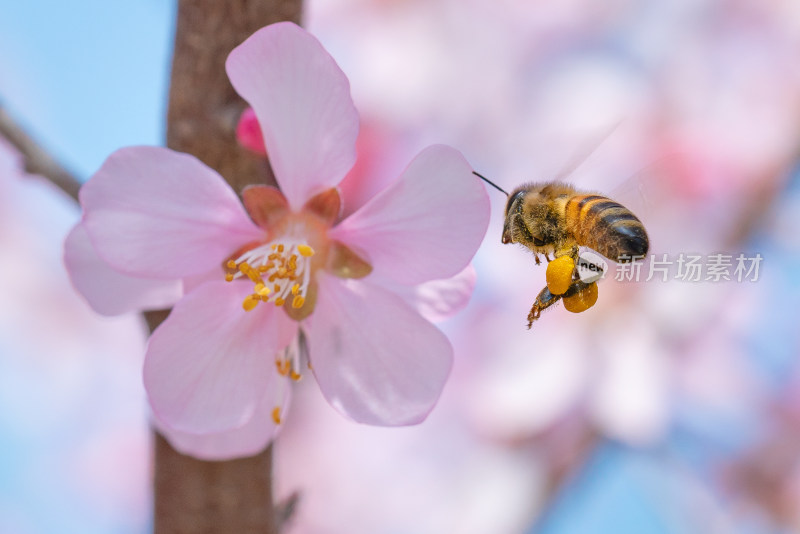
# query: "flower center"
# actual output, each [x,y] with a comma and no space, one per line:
[280,272]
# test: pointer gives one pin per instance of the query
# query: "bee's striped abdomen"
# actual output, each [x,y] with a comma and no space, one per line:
[606,226]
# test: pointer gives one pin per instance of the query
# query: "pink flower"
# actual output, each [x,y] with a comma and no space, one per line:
[279,285]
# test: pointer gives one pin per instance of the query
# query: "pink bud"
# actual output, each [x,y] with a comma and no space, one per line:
[248,133]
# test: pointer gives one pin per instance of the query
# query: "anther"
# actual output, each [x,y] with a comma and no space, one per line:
[298,302]
[250,302]
[305,250]
[228,277]
[283,367]
[294,375]
[279,302]
[231,264]
[276,415]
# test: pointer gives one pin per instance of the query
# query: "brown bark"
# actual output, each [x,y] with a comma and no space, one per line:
[193,496]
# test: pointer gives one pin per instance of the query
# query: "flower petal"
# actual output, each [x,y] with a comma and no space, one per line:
[427,225]
[376,359]
[302,100]
[108,291]
[210,363]
[153,212]
[437,300]
[246,440]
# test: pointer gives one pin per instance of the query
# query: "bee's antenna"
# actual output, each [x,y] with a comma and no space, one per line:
[485,179]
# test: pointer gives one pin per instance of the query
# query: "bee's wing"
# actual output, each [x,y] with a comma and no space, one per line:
[584,151]
[640,191]
[675,223]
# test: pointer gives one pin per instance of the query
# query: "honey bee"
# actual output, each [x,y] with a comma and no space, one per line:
[555,219]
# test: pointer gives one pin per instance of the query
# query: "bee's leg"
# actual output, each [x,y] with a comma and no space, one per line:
[544,300]
[547,257]
[536,258]
[571,251]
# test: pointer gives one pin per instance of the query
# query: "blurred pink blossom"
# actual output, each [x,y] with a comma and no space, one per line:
[72,408]
[435,477]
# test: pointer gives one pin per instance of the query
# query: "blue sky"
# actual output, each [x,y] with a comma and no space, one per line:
[86,77]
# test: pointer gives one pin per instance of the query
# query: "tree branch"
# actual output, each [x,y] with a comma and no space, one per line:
[37,160]
[192,495]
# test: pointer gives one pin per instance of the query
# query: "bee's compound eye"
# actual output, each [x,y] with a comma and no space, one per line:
[513,198]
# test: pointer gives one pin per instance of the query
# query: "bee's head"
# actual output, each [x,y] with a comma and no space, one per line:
[514,209]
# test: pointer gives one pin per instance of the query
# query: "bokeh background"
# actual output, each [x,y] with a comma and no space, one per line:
[669,407]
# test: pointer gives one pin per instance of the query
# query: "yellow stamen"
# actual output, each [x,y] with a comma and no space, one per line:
[294,375]
[283,367]
[305,250]
[278,276]
[250,302]
[276,415]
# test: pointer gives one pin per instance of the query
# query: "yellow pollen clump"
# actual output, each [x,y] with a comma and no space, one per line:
[559,275]
[276,415]
[582,300]
[280,275]
[294,375]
